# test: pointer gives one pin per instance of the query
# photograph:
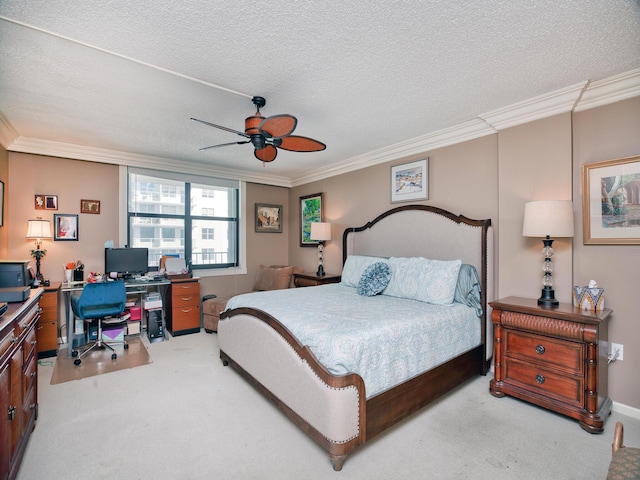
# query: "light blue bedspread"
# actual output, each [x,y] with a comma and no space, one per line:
[386,340]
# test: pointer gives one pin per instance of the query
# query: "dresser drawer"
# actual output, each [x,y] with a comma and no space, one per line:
[185,318]
[6,340]
[30,343]
[566,388]
[29,377]
[185,300]
[560,354]
[185,289]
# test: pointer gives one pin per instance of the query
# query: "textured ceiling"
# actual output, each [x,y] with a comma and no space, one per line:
[126,76]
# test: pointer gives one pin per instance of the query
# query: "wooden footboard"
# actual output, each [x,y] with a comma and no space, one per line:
[332,410]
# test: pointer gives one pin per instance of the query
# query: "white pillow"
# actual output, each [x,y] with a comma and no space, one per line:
[355,266]
[423,279]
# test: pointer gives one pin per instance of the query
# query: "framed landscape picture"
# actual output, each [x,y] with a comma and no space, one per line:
[410,181]
[611,202]
[310,211]
[90,206]
[268,218]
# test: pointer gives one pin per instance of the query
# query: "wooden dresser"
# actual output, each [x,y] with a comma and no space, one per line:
[47,328]
[18,381]
[554,357]
[311,279]
[183,306]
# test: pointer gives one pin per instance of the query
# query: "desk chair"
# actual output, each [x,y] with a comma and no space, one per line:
[97,301]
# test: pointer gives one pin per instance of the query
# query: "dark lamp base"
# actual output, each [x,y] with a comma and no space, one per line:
[548,298]
[320,272]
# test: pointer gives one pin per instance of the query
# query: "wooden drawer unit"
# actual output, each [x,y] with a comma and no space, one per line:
[183,306]
[47,329]
[553,357]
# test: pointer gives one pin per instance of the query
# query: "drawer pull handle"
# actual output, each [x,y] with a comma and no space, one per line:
[540,379]
[540,349]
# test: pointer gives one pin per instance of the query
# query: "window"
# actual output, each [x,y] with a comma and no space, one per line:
[196,218]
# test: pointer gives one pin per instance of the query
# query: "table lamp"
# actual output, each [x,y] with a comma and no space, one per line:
[38,230]
[321,232]
[547,218]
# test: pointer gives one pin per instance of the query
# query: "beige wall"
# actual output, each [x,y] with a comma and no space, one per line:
[491,177]
[462,178]
[607,133]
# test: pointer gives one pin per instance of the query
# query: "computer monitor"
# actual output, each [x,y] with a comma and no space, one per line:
[126,262]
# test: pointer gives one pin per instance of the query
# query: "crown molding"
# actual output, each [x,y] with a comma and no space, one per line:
[578,97]
[610,90]
[8,134]
[559,101]
[418,145]
[92,154]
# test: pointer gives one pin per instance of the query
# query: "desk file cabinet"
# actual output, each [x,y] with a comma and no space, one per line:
[18,381]
[183,306]
[47,328]
[553,357]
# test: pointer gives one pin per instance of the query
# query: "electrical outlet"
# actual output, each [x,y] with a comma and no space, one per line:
[619,348]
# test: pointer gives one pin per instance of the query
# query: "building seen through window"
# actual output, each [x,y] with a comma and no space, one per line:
[194,218]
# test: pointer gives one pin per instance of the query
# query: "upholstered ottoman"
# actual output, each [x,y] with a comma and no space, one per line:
[273,277]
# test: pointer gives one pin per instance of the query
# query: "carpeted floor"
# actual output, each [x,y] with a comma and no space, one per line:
[98,362]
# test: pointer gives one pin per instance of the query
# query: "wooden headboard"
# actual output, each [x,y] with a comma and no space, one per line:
[430,232]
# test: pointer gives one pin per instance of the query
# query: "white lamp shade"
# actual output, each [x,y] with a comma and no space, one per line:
[39,229]
[548,217]
[320,231]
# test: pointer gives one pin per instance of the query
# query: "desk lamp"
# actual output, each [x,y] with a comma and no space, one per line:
[321,232]
[547,218]
[38,230]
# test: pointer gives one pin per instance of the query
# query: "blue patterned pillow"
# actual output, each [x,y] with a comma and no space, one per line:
[374,279]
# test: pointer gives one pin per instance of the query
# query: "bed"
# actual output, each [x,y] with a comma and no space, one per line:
[311,380]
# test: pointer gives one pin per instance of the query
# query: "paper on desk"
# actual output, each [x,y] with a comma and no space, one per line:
[174,266]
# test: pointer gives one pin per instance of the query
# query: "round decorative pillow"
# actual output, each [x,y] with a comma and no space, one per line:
[374,279]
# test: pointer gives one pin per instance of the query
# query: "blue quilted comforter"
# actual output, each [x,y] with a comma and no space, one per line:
[386,340]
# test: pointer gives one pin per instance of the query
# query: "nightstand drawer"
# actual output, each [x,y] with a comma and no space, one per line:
[185,289]
[567,388]
[559,354]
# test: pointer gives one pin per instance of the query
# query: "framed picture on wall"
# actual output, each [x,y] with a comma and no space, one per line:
[65,227]
[268,218]
[410,181]
[611,202]
[90,206]
[310,211]
[45,202]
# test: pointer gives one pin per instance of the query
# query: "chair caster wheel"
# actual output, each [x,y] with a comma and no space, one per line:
[113,356]
[126,346]
[74,353]
[77,361]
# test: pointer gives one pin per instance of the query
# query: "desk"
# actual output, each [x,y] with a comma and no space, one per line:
[134,287]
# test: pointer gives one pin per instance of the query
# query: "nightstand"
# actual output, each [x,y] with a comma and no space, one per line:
[553,357]
[311,279]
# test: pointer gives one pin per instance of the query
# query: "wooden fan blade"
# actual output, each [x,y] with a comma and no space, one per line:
[225,145]
[266,154]
[296,143]
[242,134]
[278,126]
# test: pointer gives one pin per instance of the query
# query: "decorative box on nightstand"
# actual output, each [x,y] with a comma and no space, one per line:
[554,357]
[311,279]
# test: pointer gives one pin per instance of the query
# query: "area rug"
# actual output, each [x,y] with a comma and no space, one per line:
[99,361]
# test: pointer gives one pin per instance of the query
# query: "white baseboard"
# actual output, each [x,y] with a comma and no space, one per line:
[626,410]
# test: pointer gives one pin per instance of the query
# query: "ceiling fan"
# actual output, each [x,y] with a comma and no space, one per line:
[268,134]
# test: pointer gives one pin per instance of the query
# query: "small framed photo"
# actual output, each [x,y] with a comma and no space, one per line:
[65,227]
[611,202]
[90,206]
[310,211]
[410,181]
[268,218]
[46,202]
